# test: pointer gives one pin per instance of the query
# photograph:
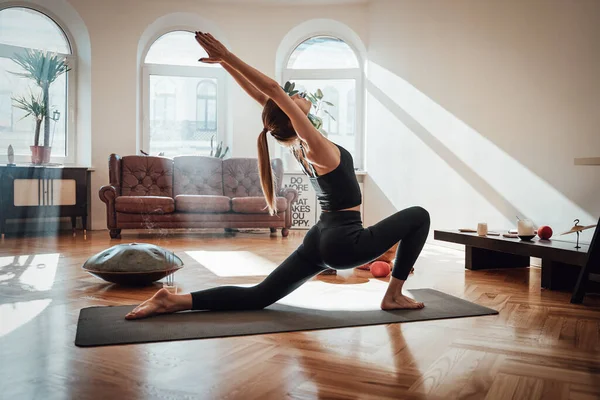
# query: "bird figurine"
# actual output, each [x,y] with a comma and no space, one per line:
[577,229]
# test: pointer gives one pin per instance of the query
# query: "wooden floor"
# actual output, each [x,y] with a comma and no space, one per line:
[538,347]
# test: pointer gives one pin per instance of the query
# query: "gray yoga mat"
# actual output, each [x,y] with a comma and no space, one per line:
[100,326]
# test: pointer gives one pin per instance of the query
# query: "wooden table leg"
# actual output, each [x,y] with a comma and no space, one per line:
[580,286]
[559,276]
[73,224]
[476,258]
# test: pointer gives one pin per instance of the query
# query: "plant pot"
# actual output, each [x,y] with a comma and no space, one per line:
[40,154]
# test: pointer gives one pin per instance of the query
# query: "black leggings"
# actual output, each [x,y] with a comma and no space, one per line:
[337,241]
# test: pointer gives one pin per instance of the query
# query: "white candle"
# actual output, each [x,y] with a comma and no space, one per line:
[525,227]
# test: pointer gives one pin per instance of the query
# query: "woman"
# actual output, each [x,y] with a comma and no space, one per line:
[338,240]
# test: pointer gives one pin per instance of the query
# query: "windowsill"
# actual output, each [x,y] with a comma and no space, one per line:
[49,165]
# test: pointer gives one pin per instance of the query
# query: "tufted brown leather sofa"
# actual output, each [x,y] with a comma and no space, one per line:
[191,192]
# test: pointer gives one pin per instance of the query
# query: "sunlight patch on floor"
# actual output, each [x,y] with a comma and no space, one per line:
[233,263]
[33,272]
[318,295]
[443,254]
[14,315]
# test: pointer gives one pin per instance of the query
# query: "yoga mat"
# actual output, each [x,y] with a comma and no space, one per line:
[100,326]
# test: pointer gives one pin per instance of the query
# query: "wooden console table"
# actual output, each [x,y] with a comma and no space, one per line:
[28,191]
[563,266]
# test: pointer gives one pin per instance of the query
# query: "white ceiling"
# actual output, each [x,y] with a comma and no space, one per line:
[289,2]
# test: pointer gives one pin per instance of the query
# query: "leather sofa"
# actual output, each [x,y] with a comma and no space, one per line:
[146,192]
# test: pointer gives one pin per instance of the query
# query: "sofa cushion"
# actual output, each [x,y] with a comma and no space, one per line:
[146,176]
[256,205]
[144,204]
[200,220]
[202,204]
[241,178]
[198,175]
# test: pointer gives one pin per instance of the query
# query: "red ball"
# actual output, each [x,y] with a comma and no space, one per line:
[380,269]
[544,232]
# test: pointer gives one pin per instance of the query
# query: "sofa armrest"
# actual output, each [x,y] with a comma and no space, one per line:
[114,171]
[108,195]
[290,194]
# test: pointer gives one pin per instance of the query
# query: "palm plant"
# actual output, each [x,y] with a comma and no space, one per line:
[43,68]
[36,107]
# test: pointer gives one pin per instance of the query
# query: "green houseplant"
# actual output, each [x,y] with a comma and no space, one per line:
[43,68]
[219,152]
[317,100]
[33,106]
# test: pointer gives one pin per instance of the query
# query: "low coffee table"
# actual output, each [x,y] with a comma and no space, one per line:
[562,263]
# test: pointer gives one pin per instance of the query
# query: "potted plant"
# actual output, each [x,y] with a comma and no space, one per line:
[34,106]
[43,68]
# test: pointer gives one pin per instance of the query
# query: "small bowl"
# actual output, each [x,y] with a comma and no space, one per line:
[526,238]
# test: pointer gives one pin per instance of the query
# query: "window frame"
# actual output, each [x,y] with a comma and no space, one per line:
[199,96]
[7,51]
[12,114]
[184,71]
[335,112]
[357,74]
[165,96]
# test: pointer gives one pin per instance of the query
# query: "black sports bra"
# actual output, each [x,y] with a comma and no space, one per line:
[338,189]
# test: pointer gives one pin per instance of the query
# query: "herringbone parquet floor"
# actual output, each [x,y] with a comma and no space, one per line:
[538,347]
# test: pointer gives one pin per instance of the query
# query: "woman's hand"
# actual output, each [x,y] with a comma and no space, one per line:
[217,53]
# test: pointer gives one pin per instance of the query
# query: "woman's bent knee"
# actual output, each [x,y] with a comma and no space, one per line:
[421,215]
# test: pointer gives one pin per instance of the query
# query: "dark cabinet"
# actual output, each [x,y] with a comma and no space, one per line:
[44,191]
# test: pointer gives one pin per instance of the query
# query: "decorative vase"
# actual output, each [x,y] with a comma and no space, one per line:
[40,154]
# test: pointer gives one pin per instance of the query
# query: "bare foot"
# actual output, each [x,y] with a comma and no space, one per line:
[160,303]
[400,302]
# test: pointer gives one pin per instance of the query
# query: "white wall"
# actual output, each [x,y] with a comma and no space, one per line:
[115,28]
[476,110]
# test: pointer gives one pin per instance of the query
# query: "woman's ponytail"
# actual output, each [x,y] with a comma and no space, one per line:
[265,172]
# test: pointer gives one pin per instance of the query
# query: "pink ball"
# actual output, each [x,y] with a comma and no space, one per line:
[380,269]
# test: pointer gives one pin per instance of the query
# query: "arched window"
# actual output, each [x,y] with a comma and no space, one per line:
[23,30]
[206,106]
[323,52]
[182,97]
[330,64]
[6,111]
[163,104]
[331,113]
[351,113]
